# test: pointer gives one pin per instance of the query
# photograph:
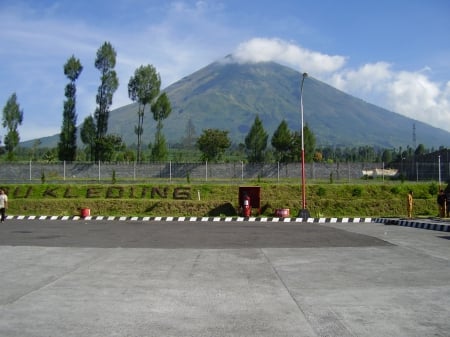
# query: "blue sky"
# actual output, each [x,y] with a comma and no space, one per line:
[392,53]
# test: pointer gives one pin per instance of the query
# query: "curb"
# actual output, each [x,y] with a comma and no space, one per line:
[183,219]
[428,224]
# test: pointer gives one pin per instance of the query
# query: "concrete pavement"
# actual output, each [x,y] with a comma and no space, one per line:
[135,279]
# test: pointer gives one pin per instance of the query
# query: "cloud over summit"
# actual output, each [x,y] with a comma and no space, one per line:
[277,50]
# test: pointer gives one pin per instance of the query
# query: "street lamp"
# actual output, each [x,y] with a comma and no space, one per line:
[304,213]
[439,170]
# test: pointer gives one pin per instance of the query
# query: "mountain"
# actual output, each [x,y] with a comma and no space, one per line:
[228,96]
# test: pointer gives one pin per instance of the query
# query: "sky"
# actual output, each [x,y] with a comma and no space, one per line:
[392,53]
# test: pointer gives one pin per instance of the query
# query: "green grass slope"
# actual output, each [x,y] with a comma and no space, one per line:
[324,200]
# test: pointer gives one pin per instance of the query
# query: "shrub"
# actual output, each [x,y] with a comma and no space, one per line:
[357,192]
[321,191]
[395,190]
[433,189]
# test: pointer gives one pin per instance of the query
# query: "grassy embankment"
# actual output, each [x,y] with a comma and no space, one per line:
[366,199]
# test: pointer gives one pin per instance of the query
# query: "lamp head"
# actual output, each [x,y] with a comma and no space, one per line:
[305,75]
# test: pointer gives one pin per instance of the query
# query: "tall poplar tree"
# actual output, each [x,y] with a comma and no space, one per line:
[256,142]
[12,118]
[67,146]
[143,87]
[161,109]
[87,134]
[105,63]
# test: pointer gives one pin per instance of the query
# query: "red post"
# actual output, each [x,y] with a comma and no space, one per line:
[303,181]
[304,213]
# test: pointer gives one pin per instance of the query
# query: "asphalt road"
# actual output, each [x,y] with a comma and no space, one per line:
[170,235]
[165,279]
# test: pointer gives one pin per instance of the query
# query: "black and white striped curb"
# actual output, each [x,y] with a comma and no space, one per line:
[192,219]
[435,225]
[423,224]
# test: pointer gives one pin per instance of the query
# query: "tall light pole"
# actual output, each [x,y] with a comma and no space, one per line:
[439,170]
[304,213]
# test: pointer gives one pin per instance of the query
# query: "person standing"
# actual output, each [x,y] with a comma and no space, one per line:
[442,203]
[447,202]
[409,204]
[3,205]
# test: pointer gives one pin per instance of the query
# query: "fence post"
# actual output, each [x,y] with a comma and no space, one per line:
[349,173]
[278,172]
[417,172]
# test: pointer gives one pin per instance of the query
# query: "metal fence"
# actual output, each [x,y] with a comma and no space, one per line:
[210,172]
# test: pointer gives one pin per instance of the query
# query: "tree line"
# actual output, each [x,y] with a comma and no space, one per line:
[144,88]
[285,147]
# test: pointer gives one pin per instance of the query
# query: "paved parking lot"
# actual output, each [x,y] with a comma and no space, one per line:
[143,278]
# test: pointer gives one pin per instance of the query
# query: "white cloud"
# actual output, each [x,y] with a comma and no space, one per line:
[411,94]
[366,79]
[416,96]
[277,50]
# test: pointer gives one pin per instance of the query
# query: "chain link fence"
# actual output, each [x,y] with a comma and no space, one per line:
[37,172]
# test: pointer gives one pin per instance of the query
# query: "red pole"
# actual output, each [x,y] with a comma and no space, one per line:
[303,181]
[303,212]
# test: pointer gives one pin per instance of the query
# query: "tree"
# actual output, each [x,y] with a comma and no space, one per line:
[420,150]
[256,142]
[109,145]
[387,156]
[105,63]
[67,146]
[12,118]
[143,87]
[282,142]
[87,134]
[213,143]
[310,145]
[161,109]
[159,149]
